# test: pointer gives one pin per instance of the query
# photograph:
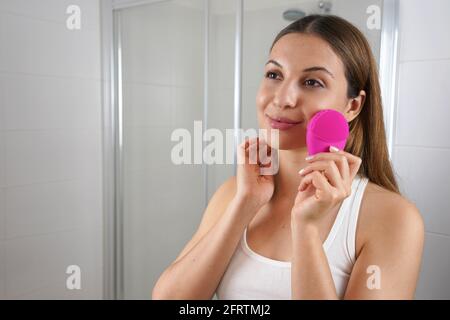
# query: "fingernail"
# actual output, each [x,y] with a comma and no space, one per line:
[309,158]
[301,171]
[333,149]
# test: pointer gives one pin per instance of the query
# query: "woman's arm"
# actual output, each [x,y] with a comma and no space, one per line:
[326,182]
[197,272]
[310,273]
[388,264]
[391,235]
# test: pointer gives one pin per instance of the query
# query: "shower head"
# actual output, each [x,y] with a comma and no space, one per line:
[325,6]
[293,14]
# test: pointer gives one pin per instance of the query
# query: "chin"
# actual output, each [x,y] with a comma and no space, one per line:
[291,145]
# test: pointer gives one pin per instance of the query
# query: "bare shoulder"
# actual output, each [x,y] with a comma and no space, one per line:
[387,215]
[221,198]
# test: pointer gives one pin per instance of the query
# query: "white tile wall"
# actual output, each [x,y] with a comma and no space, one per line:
[2,107]
[27,272]
[2,271]
[424,30]
[423,113]
[50,150]
[434,282]
[51,155]
[50,207]
[2,159]
[32,48]
[421,148]
[2,214]
[421,169]
[64,102]
[53,10]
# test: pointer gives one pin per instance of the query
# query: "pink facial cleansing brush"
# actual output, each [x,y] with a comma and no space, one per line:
[326,128]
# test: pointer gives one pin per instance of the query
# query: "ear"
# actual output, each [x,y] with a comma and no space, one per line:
[354,106]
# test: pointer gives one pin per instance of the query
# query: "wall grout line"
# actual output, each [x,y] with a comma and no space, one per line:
[421,146]
[40,235]
[53,76]
[143,83]
[31,130]
[425,60]
[438,234]
[88,26]
[41,183]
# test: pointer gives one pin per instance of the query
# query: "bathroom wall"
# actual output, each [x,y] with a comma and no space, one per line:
[50,150]
[421,147]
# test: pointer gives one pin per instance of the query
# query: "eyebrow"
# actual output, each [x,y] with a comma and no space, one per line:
[315,68]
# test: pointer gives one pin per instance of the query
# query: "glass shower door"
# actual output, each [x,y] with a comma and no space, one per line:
[162,53]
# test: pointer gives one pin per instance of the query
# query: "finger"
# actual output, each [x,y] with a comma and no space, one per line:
[341,163]
[264,153]
[309,178]
[240,152]
[243,150]
[330,169]
[353,161]
[320,183]
[252,151]
[256,151]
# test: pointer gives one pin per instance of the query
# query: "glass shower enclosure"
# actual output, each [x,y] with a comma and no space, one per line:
[193,65]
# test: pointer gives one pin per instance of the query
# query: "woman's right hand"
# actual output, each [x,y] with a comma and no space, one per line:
[252,186]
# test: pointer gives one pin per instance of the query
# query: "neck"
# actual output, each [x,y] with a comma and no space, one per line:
[287,179]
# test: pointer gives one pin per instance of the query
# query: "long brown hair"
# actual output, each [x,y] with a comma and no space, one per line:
[367,138]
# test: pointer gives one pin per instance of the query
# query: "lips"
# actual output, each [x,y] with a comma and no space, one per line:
[282,123]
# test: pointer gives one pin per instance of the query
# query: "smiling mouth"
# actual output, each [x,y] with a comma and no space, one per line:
[281,123]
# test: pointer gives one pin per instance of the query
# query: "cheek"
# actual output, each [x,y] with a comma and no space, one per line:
[338,96]
[315,103]
[324,100]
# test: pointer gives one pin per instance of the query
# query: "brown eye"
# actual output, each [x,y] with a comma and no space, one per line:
[313,83]
[270,74]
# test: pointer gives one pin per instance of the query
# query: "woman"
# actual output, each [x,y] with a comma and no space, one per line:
[339,228]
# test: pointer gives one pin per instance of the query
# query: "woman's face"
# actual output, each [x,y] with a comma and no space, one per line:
[302,77]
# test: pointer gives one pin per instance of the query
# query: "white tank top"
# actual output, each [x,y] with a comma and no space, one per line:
[253,276]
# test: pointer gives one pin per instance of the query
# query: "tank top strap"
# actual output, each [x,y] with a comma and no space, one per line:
[342,215]
[353,218]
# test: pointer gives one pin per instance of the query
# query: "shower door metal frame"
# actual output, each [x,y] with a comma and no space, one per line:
[388,67]
[113,259]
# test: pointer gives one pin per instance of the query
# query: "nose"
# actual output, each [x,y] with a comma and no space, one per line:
[286,96]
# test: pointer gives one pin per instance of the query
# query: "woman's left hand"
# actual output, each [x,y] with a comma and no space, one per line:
[327,180]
